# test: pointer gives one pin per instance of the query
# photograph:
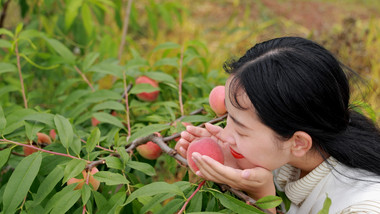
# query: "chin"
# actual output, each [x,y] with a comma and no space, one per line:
[245,164]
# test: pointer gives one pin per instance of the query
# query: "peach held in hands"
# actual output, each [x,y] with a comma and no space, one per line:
[204,146]
[91,180]
[149,150]
[147,96]
[41,139]
[216,100]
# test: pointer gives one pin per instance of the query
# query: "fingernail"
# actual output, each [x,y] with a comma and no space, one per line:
[198,173]
[245,174]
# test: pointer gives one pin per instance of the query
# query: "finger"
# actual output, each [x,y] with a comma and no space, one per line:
[198,131]
[181,147]
[215,171]
[257,175]
[187,136]
[217,131]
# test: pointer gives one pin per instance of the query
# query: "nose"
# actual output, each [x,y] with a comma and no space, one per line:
[227,135]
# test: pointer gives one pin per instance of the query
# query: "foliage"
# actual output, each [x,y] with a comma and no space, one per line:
[63,64]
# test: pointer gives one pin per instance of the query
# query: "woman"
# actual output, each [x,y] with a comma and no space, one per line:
[290,125]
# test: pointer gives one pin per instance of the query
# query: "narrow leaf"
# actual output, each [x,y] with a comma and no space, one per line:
[143,167]
[143,88]
[89,60]
[107,118]
[3,121]
[110,178]
[4,155]
[114,163]
[147,130]
[65,130]
[20,181]
[123,154]
[61,49]
[93,140]
[87,19]
[166,45]
[48,185]
[154,189]
[269,201]
[57,197]
[7,67]
[109,105]
[66,202]
[236,205]
[31,129]
[73,168]
[86,193]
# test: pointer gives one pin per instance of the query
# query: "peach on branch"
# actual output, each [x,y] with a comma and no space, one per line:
[91,180]
[94,121]
[216,100]
[204,146]
[42,139]
[149,150]
[53,134]
[147,96]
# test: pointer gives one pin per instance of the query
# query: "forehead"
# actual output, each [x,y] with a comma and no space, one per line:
[236,93]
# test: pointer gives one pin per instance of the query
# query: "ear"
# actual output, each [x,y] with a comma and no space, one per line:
[301,143]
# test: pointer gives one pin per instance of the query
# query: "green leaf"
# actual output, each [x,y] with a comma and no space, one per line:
[71,12]
[7,67]
[196,118]
[161,77]
[236,205]
[123,154]
[110,178]
[166,45]
[45,118]
[61,49]
[65,130]
[269,201]
[154,189]
[326,206]
[5,44]
[147,130]
[143,167]
[87,19]
[93,140]
[4,156]
[171,207]
[114,163]
[73,168]
[109,105]
[3,121]
[86,193]
[136,63]
[89,60]
[48,185]
[107,118]
[31,129]
[20,181]
[66,202]
[167,61]
[108,68]
[57,198]
[143,87]
[6,32]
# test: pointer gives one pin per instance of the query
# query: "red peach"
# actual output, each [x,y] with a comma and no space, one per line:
[94,121]
[41,139]
[53,134]
[204,146]
[216,100]
[150,150]
[95,183]
[145,96]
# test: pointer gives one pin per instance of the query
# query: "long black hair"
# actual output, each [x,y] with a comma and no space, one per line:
[297,85]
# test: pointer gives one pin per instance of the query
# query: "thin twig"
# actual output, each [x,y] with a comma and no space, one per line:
[125,28]
[180,83]
[126,104]
[3,13]
[84,78]
[191,196]
[42,150]
[20,75]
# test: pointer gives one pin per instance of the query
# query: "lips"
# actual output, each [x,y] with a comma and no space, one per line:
[236,154]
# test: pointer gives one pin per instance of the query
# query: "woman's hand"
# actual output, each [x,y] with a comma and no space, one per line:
[193,133]
[256,182]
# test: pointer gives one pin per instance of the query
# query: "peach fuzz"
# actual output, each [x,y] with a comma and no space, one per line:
[204,146]
[216,100]
[91,180]
[147,96]
[41,139]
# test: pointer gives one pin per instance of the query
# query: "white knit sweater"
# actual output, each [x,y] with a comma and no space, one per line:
[332,179]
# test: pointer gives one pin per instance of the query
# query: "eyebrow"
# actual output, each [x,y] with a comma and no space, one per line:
[238,122]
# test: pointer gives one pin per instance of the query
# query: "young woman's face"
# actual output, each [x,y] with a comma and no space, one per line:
[252,143]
